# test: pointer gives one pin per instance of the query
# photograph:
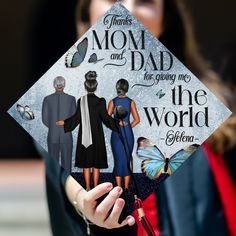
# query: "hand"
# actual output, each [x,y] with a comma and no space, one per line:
[123,123]
[99,213]
[60,123]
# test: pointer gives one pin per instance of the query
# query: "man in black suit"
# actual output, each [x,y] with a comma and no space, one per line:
[56,106]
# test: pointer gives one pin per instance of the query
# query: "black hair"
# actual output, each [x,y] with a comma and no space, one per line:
[122,87]
[91,83]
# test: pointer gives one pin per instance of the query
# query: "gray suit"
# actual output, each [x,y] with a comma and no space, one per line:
[59,106]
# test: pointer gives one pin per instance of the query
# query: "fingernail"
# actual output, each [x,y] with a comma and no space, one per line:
[120,203]
[109,187]
[130,220]
[119,190]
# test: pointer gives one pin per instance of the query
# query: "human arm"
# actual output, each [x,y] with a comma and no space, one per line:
[45,118]
[99,214]
[105,117]
[60,123]
[110,109]
[73,106]
[61,193]
[72,122]
[134,114]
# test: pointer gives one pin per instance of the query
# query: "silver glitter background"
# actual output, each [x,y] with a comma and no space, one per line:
[107,78]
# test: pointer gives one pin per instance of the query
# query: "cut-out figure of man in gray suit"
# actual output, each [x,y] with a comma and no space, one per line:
[59,106]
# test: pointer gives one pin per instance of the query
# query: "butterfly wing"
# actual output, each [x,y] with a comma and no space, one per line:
[152,153]
[181,156]
[69,56]
[28,115]
[79,56]
[153,159]
[82,47]
[93,58]
[162,95]
[27,108]
[153,168]
[159,93]
[20,109]
[74,59]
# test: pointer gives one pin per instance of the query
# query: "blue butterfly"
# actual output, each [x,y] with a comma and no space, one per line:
[155,163]
[160,94]
[94,58]
[76,55]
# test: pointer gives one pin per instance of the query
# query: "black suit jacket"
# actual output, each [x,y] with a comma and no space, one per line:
[189,203]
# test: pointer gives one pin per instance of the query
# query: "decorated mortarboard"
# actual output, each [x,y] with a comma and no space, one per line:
[177,112]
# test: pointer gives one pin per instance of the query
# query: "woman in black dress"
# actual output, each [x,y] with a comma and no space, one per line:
[90,114]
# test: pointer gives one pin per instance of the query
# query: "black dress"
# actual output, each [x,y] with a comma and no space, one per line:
[95,155]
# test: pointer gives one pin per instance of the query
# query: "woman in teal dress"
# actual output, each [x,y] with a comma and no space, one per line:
[122,143]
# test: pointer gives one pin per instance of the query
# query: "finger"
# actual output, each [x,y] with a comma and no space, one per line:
[130,220]
[104,207]
[112,220]
[98,191]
